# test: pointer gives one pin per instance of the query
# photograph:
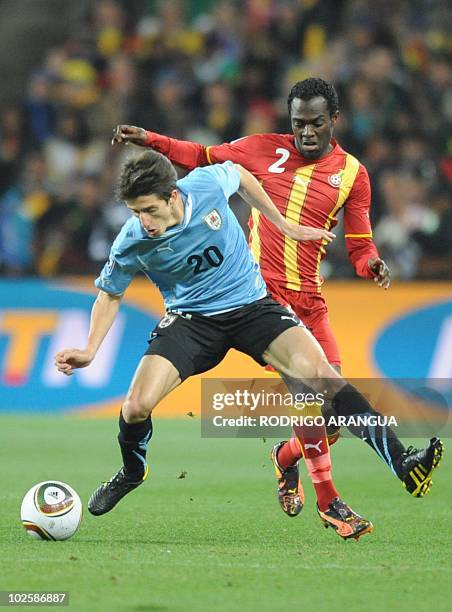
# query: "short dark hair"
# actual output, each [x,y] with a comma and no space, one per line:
[312,88]
[149,173]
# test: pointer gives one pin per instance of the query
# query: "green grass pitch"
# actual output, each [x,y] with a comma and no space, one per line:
[217,539]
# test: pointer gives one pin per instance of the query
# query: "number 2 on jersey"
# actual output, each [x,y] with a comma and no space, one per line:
[277,166]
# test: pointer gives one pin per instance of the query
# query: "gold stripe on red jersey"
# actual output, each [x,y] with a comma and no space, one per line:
[294,210]
[359,235]
[255,241]
[348,176]
[209,159]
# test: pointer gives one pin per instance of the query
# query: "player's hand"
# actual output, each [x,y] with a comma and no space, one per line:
[70,359]
[303,233]
[381,271]
[126,134]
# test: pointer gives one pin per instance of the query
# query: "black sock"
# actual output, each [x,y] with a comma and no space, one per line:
[133,439]
[380,438]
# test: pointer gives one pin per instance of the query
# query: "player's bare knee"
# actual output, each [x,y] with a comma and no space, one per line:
[136,408]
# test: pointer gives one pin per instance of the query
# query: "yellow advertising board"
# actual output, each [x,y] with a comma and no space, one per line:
[359,312]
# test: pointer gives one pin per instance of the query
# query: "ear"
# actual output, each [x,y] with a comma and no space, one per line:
[173,197]
[334,117]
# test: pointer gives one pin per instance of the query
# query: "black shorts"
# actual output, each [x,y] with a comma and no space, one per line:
[195,343]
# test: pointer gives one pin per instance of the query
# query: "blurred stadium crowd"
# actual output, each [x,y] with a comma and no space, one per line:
[213,71]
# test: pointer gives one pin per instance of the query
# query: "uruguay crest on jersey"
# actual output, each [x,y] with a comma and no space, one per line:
[213,219]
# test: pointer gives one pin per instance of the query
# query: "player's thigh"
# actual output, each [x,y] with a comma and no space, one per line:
[297,354]
[311,308]
[154,378]
[253,328]
[321,330]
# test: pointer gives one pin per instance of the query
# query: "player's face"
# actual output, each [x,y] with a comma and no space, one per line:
[156,214]
[312,126]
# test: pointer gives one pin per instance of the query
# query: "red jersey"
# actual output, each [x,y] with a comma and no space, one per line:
[306,192]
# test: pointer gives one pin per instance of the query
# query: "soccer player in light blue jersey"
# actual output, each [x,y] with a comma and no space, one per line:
[187,241]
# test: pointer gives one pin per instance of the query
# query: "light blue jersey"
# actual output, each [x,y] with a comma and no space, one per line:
[202,265]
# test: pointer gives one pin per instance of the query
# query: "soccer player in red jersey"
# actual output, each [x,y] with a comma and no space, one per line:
[310,178]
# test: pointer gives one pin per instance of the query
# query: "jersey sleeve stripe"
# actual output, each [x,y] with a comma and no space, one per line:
[359,235]
[209,159]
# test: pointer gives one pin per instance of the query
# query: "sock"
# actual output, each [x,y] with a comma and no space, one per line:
[349,401]
[133,439]
[289,453]
[314,445]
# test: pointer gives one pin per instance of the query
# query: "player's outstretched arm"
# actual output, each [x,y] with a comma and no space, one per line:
[254,195]
[103,314]
[183,153]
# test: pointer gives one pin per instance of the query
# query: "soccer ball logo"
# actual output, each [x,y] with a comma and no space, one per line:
[51,511]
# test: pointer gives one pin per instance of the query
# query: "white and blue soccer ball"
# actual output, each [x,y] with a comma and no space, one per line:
[51,510]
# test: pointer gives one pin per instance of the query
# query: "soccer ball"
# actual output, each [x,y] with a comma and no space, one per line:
[51,510]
